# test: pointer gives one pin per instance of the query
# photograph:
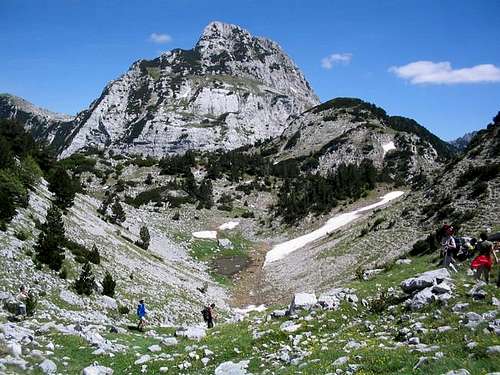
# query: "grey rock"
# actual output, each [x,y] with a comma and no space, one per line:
[493,350]
[48,367]
[232,368]
[341,361]
[424,280]
[302,301]
[143,359]
[95,369]
[461,371]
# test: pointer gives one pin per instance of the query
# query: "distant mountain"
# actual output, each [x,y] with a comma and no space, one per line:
[230,90]
[347,130]
[462,142]
[43,124]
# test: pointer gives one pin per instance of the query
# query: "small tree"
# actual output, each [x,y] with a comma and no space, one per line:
[49,248]
[63,186]
[118,213]
[31,303]
[94,255]
[108,285]
[85,283]
[145,237]
[149,179]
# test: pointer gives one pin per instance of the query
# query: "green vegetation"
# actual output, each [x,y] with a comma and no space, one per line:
[108,285]
[85,283]
[49,248]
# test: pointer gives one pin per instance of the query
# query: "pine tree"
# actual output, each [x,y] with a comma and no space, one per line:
[205,194]
[49,248]
[145,238]
[63,186]
[85,283]
[94,256]
[149,179]
[118,214]
[108,285]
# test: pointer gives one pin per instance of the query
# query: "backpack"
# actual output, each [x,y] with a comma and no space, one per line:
[206,314]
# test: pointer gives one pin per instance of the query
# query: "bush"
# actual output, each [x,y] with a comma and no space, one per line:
[108,285]
[63,274]
[94,256]
[123,309]
[21,235]
[176,216]
[31,303]
[85,283]
[144,238]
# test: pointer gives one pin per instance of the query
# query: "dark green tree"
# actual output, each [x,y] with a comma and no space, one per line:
[85,283]
[108,285]
[205,194]
[118,213]
[49,247]
[94,256]
[145,237]
[63,186]
[149,179]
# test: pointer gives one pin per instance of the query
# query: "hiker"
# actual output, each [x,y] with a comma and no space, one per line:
[209,315]
[21,298]
[483,263]
[141,314]
[449,247]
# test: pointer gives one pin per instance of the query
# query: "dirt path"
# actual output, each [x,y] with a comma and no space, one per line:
[250,281]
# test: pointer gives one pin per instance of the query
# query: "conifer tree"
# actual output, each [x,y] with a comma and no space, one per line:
[145,238]
[63,186]
[85,283]
[118,214]
[49,248]
[205,194]
[108,285]
[94,255]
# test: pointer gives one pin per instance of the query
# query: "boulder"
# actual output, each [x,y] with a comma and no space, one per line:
[107,303]
[422,298]
[341,361]
[403,261]
[169,341]
[48,367]
[303,301]
[231,368]
[225,243]
[143,359]
[425,280]
[368,274]
[95,369]
[192,332]
[462,371]
[279,313]
[154,348]
[328,301]
[493,350]
[71,298]
[14,349]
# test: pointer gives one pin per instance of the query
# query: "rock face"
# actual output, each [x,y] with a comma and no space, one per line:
[231,89]
[348,130]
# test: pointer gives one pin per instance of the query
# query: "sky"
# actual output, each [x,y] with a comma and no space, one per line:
[437,62]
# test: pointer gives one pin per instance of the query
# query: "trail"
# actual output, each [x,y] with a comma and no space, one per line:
[282,250]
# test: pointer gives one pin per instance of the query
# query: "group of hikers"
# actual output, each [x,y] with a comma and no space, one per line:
[482,252]
[208,313]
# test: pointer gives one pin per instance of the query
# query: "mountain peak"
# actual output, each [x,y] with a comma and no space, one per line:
[221,29]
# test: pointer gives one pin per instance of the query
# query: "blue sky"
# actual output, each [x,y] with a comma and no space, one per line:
[435,61]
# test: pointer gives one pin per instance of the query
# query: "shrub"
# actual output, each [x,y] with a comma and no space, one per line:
[21,235]
[93,256]
[176,216]
[118,213]
[63,274]
[108,285]
[31,303]
[144,238]
[123,309]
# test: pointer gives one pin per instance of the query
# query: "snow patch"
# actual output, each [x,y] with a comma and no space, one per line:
[229,225]
[388,146]
[205,234]
[281,250]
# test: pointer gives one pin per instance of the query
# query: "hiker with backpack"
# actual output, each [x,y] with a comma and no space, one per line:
[209,315]
[449,247]
[141,314]
[483,263]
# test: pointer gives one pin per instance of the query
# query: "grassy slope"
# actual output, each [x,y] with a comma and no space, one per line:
[330,330]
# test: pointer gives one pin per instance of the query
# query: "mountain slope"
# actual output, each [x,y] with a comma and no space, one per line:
[347,130]
[41,123]
[230,90]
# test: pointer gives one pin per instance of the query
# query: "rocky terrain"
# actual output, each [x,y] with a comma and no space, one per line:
[334,207]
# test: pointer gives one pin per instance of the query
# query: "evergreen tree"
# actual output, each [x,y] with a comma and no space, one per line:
[149,179]
[49,248]
[118,214]
[31,303]
[108,285]
[85,283]
[63,186]
[205,194]
[94,256]
[145,238]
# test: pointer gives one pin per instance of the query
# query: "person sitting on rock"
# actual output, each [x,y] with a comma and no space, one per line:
[484,261]
[449,247]
[141,314]
[21,298]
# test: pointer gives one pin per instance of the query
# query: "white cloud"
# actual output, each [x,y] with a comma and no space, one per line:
[336,58]
[159,38]
[442,73]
